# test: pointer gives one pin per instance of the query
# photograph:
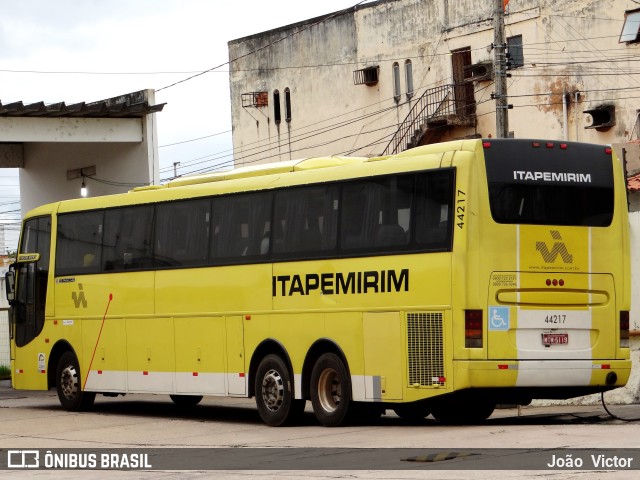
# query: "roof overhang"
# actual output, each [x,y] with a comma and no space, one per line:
[131,105]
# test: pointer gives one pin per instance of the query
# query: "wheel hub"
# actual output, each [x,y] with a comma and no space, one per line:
[329,390]
[69,382]
[272,390]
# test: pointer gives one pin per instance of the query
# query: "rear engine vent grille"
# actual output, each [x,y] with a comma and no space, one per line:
[425,349]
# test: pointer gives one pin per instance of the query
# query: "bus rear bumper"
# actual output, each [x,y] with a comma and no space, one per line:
[600,374]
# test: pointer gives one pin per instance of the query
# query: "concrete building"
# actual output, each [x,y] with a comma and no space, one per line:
[109,145]
[5,359]
[351,81]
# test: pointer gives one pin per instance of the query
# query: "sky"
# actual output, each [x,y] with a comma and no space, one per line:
[88,50]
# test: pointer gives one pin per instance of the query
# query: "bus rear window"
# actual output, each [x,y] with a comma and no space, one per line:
[572,186]
[551,205]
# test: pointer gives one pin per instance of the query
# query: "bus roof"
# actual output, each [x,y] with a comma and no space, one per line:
[254,177]
[267,169]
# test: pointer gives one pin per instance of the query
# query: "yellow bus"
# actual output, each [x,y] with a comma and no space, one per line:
[443,280]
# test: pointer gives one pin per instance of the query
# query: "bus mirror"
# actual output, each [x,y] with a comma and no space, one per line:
[10,284]
[28,257]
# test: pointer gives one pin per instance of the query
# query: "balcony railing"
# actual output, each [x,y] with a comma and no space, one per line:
[435,102]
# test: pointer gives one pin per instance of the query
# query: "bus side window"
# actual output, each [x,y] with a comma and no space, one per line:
[395,211]
[306,220]
[79,243]
[374,213]
[128,238]
[182,233]
[434,200]
[239,224]
[360,215]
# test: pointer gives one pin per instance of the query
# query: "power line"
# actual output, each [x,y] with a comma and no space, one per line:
[70,72]
[292,34]
[247,160]
[194,139]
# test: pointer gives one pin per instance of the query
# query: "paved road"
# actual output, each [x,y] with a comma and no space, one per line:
[34,420]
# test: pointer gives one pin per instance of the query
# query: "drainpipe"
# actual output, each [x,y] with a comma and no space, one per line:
[565,116]
[575,114]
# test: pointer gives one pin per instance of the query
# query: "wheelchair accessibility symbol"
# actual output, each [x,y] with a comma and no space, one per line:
[498,318]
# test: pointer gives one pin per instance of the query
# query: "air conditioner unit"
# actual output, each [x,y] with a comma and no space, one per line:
[601,118]
[366,76]
[478,72]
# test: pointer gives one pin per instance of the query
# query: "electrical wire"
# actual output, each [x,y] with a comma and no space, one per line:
[264,149]
[604,405]
[114,183]
[194,139]
[264,47]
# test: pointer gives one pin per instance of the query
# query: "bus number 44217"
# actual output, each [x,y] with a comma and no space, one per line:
[460,208]
[558,319]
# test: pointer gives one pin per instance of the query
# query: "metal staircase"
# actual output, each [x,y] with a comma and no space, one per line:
[436,111]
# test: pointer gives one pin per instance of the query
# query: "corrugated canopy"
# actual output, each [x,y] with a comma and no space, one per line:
[130,105]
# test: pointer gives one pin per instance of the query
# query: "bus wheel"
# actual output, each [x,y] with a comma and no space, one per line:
[330,390]
[274,397]
[412,411]
[186,400]
[68,385]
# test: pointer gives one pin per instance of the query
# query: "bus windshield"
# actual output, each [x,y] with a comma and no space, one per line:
[541,185]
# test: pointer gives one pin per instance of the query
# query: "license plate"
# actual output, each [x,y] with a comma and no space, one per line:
[555,338]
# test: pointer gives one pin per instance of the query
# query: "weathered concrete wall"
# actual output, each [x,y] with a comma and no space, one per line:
[570,50]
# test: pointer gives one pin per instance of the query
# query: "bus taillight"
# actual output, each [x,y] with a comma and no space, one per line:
[624,329]
[473,328]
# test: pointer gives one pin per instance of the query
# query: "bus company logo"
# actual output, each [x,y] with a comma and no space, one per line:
[78,297]
[384,281]
[23,459]
[558,248]
[566,177]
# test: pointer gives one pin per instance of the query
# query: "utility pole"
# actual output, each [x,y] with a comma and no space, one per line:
[500,70]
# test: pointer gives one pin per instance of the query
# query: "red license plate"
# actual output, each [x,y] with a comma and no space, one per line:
[555,338]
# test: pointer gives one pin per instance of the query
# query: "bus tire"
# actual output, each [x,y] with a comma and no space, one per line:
[330,390]
[69,385]
[185,401]
[274,396]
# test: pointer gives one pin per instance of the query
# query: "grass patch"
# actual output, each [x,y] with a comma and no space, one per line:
[5,372]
